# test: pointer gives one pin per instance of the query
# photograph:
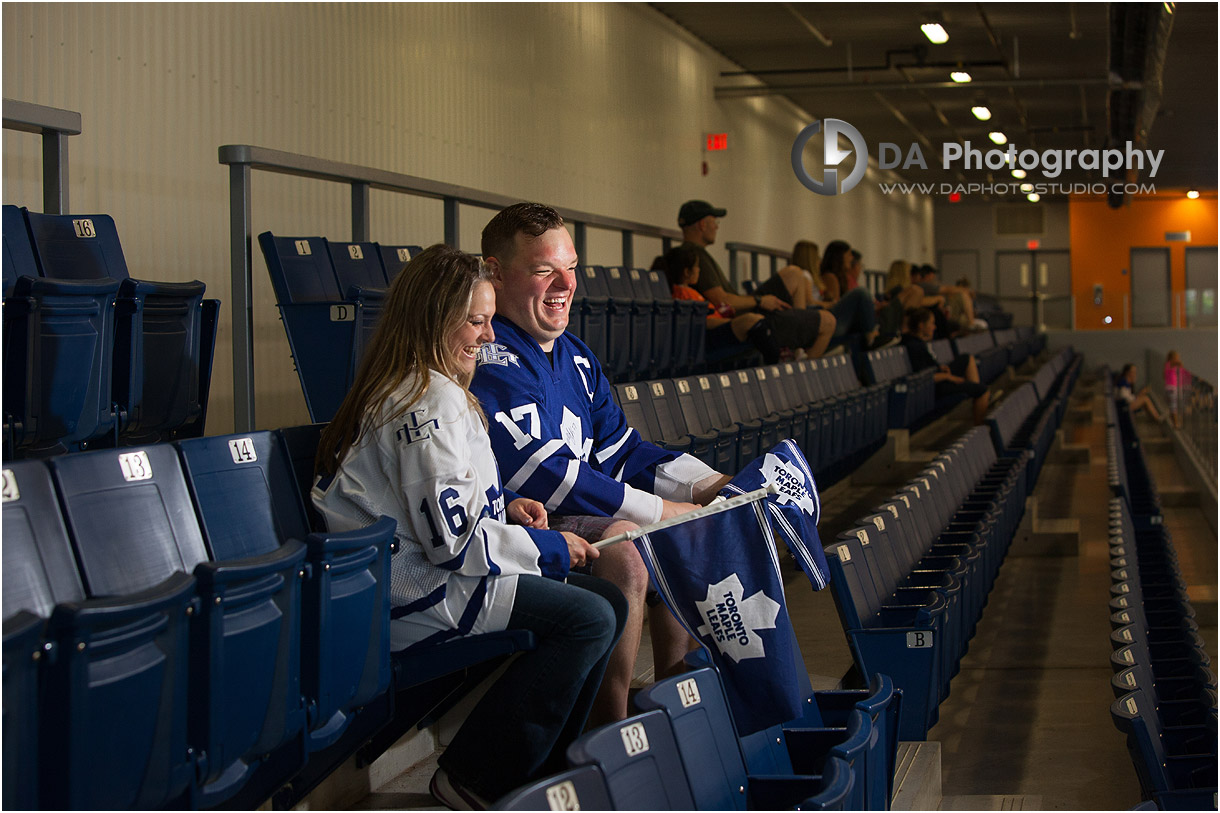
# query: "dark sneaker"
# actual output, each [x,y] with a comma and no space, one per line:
[453,795]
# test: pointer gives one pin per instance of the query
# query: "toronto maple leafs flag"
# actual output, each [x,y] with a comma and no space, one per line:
[795,507]
[720,575]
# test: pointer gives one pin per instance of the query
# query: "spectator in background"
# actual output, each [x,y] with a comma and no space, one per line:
[959,301]
[854,310]
[806,257]
[962,376]
[410,442]
[783,299]
[724,327]
[1177,378]
[1124,393]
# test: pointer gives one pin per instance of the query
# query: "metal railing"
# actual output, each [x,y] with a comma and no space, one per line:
[754,252]
[54,125]
[1197,408]
[242,159]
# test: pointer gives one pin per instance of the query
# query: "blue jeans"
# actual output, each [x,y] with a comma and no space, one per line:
[522,727]
[854,313]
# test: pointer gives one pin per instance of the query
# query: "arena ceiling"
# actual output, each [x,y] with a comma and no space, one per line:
[1055,76]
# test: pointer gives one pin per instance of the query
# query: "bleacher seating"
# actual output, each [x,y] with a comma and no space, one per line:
[264,669]
[1165,693]
[910,600]
[82,339]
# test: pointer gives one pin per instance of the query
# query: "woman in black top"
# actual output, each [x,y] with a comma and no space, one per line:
[961,376]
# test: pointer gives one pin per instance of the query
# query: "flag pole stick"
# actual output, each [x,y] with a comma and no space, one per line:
[714,507]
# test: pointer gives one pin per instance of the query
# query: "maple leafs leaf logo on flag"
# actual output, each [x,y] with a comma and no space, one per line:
[789,480]
[733,621]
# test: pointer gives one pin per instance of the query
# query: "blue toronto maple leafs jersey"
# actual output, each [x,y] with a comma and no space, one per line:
[559,437]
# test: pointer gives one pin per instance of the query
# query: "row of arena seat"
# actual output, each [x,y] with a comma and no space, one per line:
[911,578]
[173,602]
[1165,693]
[728,419]
[84,342]
[683,752]
[913,400]
[330,295]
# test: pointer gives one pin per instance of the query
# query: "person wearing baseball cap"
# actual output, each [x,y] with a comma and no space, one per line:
[695,210]
[783,299]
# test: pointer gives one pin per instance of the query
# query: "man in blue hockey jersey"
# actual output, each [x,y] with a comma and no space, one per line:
[559,437]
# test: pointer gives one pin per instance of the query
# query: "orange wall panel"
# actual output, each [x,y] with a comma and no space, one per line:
[1102,239]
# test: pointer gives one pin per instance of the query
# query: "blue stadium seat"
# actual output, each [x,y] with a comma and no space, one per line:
[589,314]
[617,362]
[393,258]
[639,759]
[159,330]
[23,647]
[836,790]
[117,667]
[663,315]
[59,349]
[133,524]
[671,421]
[707,742]
[322,326]
[362,281]
[639,314]
[689,325]
[582,788]
[692,393]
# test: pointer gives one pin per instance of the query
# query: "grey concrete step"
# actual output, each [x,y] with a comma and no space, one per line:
[991,803]
[917,776]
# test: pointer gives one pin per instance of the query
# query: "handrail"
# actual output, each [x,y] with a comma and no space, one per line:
[242,158]
[54,125]
[754,251]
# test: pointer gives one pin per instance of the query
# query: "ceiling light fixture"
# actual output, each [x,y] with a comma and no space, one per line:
[935,32]
[961,77]
[981,112]
[1193,194]
[997,137]
[1033,197]
[1027,187]
[1018,174]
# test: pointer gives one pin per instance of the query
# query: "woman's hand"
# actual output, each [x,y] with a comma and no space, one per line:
[530,513]
[579,551]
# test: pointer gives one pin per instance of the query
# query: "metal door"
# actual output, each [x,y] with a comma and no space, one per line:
[1201,286]
[1149,287]
[1014,285]
[1052,279]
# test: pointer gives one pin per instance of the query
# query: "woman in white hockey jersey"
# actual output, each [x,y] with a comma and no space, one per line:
[410,442]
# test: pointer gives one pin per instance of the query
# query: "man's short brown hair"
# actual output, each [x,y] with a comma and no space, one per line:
[532,219]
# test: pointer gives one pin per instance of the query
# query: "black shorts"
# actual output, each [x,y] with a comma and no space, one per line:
[776,287]
[970,389]
[795,328]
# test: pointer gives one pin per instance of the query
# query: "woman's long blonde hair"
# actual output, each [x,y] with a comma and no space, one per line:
[900,275]
[805,255]
[428,301]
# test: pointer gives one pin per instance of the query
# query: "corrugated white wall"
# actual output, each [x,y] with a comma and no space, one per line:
[600,107]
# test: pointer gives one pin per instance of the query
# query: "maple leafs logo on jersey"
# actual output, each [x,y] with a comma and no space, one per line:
[492,353]
[788,478]
[733,621]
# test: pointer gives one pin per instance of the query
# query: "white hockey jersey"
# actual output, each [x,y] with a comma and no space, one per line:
[433,471]
[560,438]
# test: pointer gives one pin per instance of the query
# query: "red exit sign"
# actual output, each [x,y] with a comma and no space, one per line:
[717,141]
